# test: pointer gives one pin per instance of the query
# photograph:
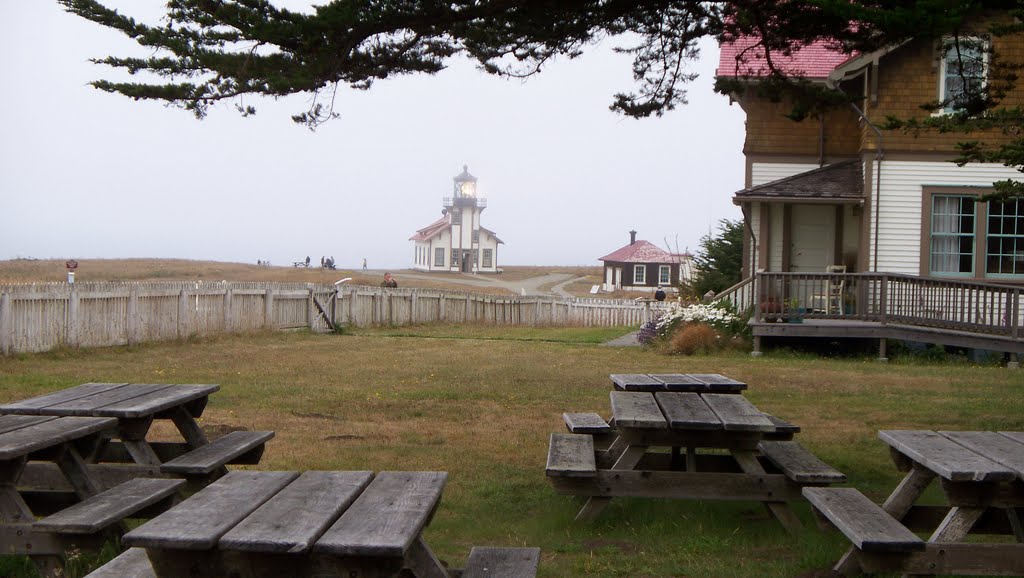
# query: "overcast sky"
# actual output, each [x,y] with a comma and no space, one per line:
[87,174]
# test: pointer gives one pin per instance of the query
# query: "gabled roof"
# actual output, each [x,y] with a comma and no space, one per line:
[491,233]
[639,252]
[431,230]
[742,59]
[842,182]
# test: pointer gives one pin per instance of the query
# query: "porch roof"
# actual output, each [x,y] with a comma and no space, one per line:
[841,182]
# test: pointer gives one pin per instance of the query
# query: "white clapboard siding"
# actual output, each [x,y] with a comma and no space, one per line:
[899,225]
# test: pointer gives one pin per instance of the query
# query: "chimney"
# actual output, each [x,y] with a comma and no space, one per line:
[632,237]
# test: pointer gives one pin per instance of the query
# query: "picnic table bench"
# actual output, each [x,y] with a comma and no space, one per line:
[317,523]
[135,406]
[96,514]
[981,475]
[761,463]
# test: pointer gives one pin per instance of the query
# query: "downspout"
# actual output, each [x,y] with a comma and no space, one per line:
[879,155]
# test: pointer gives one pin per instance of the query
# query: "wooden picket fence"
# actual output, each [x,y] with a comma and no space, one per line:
[41,317]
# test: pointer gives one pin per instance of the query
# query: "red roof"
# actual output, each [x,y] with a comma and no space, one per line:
[431,230]
[814,61]
[640,252]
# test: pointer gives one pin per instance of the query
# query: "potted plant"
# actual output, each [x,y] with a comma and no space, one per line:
[794,313]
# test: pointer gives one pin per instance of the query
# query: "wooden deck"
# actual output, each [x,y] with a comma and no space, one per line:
[883,306]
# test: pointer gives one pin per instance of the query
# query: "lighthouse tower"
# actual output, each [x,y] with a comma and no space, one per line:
[457,241]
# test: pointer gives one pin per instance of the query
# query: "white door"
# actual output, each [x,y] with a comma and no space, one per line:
[618,278]
[812,240]
[608,281]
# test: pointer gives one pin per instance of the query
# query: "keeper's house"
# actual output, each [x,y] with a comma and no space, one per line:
[643,266]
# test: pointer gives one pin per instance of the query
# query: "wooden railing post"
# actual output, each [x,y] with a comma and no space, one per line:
[131,324]
[883,296]
[5,324]
[757,301]
[1014,314]
[72,328]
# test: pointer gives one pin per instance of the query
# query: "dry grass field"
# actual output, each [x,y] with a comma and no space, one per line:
[480,402]
[53,270]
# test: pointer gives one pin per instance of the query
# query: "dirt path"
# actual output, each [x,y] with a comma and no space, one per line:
[531,286]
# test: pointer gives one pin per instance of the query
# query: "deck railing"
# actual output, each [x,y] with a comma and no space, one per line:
[889,298]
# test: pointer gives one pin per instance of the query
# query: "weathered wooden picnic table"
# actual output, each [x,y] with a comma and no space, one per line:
[981,475]
[69,443]
[694,421]
[135,407]
[319,523]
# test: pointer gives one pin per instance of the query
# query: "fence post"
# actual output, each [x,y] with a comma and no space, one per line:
[442,313]
[183,317]
[467,308]
[310,315]
[412,308]
[132,320]
[73,338]
[5,323]
[268,308]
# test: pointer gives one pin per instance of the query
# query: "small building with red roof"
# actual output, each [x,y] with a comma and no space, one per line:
[643,266]
[457,241]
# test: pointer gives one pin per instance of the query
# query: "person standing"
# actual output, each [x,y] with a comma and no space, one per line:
[364,263]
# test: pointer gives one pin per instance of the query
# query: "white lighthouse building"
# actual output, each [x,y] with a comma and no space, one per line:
[457,241]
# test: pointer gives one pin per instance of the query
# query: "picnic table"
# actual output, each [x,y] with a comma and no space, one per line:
[318,523]
[68,443]
[752,466]
[135,406]
[981,475]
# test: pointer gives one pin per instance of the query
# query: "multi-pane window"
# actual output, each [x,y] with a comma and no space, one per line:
[456,217]
[488,258]
[971,239]
[455,258]
[952,235]
[439,256]
[1004,239]
[962,71]
[639,274]
[476,235]
[664,275]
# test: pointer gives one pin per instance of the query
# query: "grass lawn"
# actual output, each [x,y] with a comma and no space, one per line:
[480,402]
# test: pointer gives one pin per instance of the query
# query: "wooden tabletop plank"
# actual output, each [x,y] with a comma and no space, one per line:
[296,516]
[199,522]
[155,401]
[687,411]
[635,409]
[9,423]
[718,382]
[49,433]
[586,423]
[945,457]
[1017,436]
[35,404]
[737,413]
[999,448]
[636,382]
[679,382]
[387,517]
[96,403]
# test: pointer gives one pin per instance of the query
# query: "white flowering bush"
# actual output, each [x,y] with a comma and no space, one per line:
[715,314]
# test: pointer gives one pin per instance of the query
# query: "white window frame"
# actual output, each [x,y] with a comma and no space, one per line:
[488,258]
[943,68]
[664,275]
[438,251]
[639,274]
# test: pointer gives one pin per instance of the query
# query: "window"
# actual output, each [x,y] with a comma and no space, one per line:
[1004,239]
[639,274]
[970,239]
[962,71]
[456,217]
[952,235]
[664,275]
[488,258]
[455,258]
[476,235]
[439,256]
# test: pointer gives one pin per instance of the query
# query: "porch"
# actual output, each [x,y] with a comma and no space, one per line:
[882,306]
